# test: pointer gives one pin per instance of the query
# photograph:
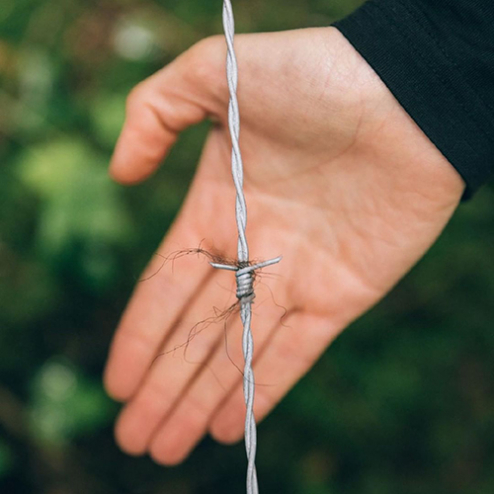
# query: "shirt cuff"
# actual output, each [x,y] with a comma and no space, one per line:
[400,43]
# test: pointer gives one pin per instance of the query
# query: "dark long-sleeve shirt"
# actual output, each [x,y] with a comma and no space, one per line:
[437,58]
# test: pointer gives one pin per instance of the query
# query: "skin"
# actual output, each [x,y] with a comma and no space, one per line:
[338,179]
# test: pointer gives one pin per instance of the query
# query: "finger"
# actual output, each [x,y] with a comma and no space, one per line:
[154,309]
[292,351]
[189,421]
[184,356]
[170,288]
[183,93]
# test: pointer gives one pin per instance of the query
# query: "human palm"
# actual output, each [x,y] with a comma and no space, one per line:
[338,179]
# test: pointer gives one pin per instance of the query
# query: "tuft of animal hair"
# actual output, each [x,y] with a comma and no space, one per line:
[219,315]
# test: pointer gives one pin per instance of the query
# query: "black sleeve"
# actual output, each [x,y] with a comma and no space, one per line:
[437,58]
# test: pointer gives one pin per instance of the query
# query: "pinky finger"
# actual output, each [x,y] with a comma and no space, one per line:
[294,349]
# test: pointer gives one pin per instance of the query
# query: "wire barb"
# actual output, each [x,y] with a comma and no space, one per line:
[244,272]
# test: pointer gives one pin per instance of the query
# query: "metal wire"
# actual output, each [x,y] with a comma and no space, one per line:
[245,272]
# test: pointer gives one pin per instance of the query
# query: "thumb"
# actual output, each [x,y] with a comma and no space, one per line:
[184,93]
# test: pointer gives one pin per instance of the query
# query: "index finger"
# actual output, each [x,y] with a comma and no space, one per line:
[155,306]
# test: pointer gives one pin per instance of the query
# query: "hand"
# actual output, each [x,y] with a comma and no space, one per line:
[338,179]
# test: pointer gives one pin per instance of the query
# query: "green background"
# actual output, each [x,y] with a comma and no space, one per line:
[403,402]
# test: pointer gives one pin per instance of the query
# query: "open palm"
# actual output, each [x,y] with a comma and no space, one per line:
[338,179]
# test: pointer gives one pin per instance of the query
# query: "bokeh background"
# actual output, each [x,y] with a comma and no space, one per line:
[403,402]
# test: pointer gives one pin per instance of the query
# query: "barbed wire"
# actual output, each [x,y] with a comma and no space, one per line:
[244,271]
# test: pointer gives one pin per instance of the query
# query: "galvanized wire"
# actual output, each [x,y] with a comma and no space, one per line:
[244,270]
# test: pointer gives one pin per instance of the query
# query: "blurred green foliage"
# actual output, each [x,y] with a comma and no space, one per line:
[403,401]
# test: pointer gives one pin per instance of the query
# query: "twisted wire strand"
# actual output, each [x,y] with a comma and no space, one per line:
[234,126]
[244,273]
